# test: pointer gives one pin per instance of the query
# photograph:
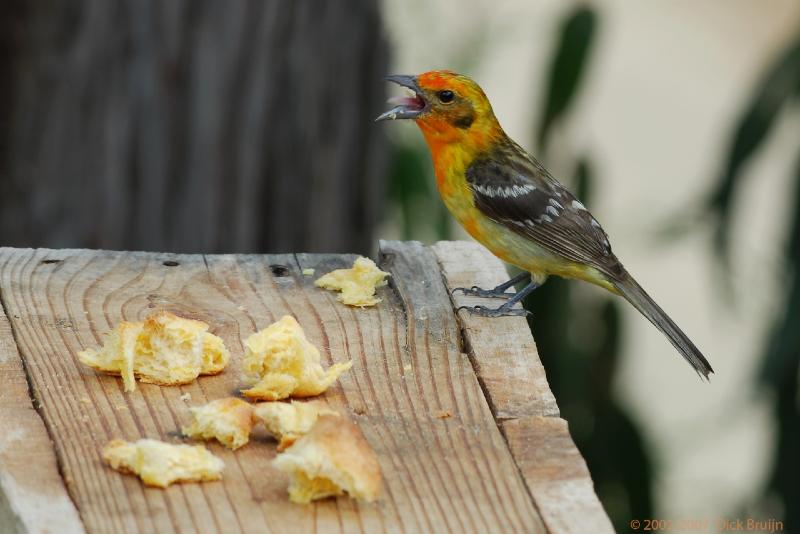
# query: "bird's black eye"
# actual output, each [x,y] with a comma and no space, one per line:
[446,96]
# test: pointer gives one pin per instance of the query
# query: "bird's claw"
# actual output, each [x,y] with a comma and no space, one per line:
[502,311]
[476,291]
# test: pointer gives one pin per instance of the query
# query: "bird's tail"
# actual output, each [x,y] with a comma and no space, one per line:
[633,293]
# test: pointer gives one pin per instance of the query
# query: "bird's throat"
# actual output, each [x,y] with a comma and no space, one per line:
[453,150]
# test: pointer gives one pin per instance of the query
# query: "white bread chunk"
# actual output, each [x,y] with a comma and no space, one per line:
[289,421]
[356,285]
[332,459]
[279,362]
[163,349]
[228,420]
[160,464]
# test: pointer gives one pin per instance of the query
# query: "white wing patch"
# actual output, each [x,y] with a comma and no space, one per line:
[512,191]
[553,209]
[578,206]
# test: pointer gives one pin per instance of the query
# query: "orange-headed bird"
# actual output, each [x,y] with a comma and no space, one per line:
[512,205]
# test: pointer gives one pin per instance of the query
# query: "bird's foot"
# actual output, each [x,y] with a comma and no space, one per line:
[476,291]
[498,292]
[502,311]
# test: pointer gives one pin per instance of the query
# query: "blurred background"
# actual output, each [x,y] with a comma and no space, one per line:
[201,126]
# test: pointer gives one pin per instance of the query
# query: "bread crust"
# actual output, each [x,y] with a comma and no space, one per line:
[160,464]
[228,420]
[331,459]
[288,421]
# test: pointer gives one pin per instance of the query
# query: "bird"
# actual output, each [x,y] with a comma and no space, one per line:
[509,202]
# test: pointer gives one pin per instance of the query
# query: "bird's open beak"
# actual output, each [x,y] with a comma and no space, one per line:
[407,107]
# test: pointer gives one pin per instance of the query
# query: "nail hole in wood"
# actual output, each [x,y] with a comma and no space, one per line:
[279,270]
[170,263]
[51,261]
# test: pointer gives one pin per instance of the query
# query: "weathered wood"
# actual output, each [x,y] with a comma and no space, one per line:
[502,350]
[508,366]
[33,497]
[556,475]
[453,473]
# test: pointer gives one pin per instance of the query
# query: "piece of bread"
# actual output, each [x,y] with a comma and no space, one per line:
[357,285]
[279,362]
[117,354]
[289,421]
[332,459]
[228,420]
[163,349]
[215,355]
[160,464]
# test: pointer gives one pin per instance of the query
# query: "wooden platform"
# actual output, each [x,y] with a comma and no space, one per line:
[456,407]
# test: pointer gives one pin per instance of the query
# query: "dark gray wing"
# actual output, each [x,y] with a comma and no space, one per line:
[514,190]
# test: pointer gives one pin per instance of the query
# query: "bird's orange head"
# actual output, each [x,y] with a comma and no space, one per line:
[448,107]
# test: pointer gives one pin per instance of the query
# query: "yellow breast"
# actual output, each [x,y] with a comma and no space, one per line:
[511,247]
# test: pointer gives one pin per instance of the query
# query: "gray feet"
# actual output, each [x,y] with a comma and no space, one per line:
[498,292]
[476,291]
[502,311]
[508,308]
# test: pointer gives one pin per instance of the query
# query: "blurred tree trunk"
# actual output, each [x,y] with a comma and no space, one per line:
[191,125]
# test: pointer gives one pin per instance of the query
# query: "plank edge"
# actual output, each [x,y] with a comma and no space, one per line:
[33,493]
[539,440]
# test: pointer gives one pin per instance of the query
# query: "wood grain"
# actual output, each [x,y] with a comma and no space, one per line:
[455,473]
[556,475]
[502,349]
[33,497]
[508,367]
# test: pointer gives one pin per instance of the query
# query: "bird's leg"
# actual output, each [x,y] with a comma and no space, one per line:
[497,292]
[507,308]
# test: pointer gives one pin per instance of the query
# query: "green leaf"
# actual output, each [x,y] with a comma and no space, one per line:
[782,358]
[781,81]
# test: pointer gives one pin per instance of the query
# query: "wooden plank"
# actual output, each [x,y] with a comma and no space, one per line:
[556,475]
[508,366]
[60,302]
[503,350]
[443,473]
[33,497]
[440,474]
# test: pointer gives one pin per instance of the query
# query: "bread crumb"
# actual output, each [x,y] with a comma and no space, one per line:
[443,414]
[308,272]
[121,407]
[186,397]
[163,349]
[228,420]
[356,285]
[332,459]
[289,421]
[86,400]
[279,362]
[160,464]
